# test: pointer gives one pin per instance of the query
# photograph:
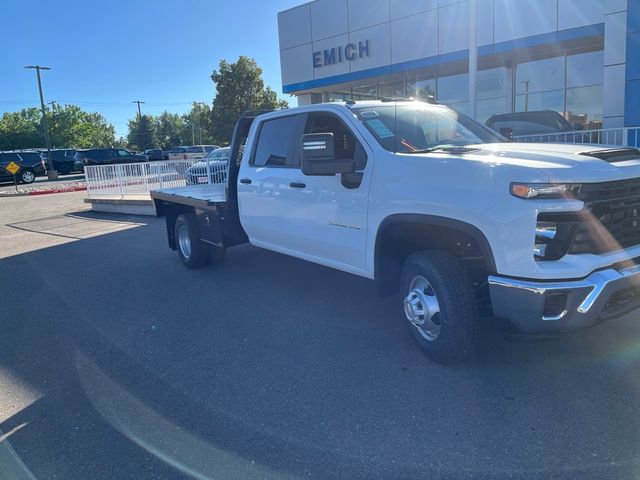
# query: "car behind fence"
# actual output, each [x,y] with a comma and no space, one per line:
[135,179]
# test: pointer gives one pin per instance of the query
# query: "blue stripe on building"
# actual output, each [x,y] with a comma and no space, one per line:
[461,55]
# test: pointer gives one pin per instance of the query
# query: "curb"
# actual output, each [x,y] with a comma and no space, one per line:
[44,192]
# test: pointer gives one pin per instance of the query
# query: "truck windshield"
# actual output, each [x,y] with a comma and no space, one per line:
[419,127]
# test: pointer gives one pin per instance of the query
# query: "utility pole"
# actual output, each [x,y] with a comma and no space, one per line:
[141,143]
[193,131]
[53,122]
[139,111]
[52,174]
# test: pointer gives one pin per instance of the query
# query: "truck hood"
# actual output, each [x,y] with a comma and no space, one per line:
[563,162]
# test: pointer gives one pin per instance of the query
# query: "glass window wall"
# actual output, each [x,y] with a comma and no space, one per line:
[585,69]
[568,84]
[540,75]
[453,88]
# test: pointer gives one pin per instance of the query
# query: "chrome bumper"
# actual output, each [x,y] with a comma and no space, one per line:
[538,306]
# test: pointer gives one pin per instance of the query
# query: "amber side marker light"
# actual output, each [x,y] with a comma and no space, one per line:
[544,190]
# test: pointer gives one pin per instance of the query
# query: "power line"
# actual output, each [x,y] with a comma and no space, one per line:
[157,104]
[86,102]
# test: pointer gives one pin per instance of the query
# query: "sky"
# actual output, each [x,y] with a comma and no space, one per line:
[106,53]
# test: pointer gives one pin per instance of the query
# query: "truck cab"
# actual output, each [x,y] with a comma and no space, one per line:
[444,211]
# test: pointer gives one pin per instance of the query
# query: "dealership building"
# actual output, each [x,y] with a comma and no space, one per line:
[580,58]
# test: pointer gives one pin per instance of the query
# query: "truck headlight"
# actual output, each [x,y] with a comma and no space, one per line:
[544,190]
[554,236]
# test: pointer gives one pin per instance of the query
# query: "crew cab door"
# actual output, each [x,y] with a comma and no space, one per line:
[328,214]
[263,182]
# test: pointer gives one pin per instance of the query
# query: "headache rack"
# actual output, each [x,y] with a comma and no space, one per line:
[611,217]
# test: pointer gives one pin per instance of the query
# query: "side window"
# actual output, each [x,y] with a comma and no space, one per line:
[11,157]
[274,142]
[346,145]
[123,153]
[30,157]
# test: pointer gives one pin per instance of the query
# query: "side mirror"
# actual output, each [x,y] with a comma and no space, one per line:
[317,155]
[506,132]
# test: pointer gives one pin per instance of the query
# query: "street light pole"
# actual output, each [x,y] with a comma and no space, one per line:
[52,174]
[53,122]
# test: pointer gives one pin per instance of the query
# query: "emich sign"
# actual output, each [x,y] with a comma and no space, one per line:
[340,54]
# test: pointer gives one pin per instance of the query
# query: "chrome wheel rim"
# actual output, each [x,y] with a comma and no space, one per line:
[184,241]
[28,177]
[422,309]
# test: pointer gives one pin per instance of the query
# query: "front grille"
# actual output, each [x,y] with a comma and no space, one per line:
[611,218]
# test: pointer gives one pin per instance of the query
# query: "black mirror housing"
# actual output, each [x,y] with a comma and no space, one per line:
[317,154]
[507,132]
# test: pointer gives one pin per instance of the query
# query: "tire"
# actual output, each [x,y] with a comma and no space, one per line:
[193,252]
[216,254]
[27,175]
[437,280]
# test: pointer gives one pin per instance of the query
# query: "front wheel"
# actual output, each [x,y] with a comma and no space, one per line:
[440,305]
[193,252]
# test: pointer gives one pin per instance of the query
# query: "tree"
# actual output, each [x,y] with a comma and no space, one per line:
[197,127]
[121,142]
[168,127]
[239,87]
[141,134]
[21,129]
[69,126]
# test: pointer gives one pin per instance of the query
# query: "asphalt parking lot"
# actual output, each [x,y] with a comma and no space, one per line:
[117,362]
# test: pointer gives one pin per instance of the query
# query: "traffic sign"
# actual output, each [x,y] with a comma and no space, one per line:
[13,168]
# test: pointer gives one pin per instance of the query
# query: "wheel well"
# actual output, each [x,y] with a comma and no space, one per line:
[404,235]
[171,213]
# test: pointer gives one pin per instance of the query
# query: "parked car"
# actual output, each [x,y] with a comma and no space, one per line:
[530,123]
[31,166]
[63,160]
[107,156]
[155,154]
[194,152]
[544,235]
[175,153]
[217,161]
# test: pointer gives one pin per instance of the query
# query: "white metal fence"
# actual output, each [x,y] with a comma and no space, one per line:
[628,137]
[133,179]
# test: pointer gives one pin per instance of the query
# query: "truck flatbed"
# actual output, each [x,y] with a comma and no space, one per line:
[199,196]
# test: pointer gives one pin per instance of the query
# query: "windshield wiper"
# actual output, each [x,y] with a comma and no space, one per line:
[445,148]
